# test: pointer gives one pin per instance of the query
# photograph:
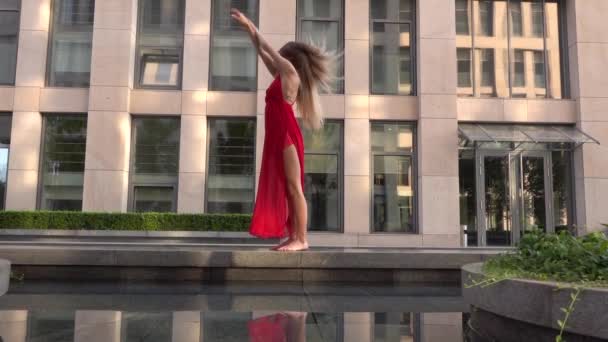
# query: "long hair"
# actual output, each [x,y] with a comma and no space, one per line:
[313,66]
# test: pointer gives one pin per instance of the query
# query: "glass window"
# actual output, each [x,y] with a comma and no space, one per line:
[9,30]
[486,17]
[154,164]
[462,17]
[464,68]
[537,19]
[323,177]
[71,43]
[321,22]
[146,326]
[5,143]
[486,57]
[62,174]
[160,40]
[393,190]
[231,166]
[391,47]
[51,325]
[516,18]
[519,78]
[539,70]
[233,58]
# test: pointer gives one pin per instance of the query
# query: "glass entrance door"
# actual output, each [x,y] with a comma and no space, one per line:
[494,211]
[534,178]
[513,199]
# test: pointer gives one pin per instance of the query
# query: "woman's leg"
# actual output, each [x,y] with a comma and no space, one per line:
[290,231]
[297,202]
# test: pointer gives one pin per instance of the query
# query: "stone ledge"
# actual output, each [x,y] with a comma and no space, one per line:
[140,254]
[539,303]
[5,275]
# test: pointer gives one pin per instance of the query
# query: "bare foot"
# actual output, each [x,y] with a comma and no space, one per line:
[294,246]
[286,242]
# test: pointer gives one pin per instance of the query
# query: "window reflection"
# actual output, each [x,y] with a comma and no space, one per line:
[63,162]
[9,29]
[322,182]
[230,184]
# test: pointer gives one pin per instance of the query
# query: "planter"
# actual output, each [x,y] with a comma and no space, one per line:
[538,303]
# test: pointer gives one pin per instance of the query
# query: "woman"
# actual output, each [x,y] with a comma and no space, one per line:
[299,71]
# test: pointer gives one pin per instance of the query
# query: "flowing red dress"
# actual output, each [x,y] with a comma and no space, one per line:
[271,210]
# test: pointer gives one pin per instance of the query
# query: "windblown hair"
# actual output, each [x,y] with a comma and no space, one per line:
[313,66]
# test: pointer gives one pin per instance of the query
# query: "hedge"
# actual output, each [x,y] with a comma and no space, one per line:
[71,220]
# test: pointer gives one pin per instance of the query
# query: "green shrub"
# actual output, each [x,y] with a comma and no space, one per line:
[68,220]
[558,257]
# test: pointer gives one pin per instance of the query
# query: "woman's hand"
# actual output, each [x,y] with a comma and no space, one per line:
[242,19]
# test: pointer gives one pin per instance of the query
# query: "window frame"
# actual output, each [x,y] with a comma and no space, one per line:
[210,50]
[17,37]
[132,184]
[207,155]
[340,175]
[40,185]
[563,43]
[413,50]
[414,158]
[300,19]
[8,156]
[137,84]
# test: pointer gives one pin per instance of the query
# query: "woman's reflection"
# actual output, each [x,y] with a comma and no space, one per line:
[286,326]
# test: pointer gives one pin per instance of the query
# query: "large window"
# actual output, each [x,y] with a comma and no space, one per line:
[5,143]
[231,166]
[154,164]
[71,42]
[392,37]
[233,57]
[323,176]
[516,47]
[392,147]
[321,22]
[160,40]
[9,29]
[62,167]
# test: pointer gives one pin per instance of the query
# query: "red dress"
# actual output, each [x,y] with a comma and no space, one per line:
[271,211]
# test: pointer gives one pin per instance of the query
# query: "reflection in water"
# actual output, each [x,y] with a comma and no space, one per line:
[209,313]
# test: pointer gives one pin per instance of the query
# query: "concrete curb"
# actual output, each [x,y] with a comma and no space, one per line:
[538,302]
[5,275]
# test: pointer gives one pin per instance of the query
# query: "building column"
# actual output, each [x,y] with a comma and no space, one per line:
[438,213]
[356,118]
[358,327]
[106,174]
[588,52]
[27,122]
[277,22]
[13,325]
[193,141]
[97,326]
[187,326]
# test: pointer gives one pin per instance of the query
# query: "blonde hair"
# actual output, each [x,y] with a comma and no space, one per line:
[314,67]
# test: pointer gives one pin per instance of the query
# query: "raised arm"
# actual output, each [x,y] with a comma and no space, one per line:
[275,63]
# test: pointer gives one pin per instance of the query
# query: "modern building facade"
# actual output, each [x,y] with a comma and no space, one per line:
[450,122]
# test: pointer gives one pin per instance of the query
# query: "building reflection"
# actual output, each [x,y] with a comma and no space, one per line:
[509,48]
[196,326]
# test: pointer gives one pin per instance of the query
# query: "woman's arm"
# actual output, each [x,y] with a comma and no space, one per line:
[271,58]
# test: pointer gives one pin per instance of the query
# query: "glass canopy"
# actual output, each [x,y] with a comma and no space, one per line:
[496,133]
